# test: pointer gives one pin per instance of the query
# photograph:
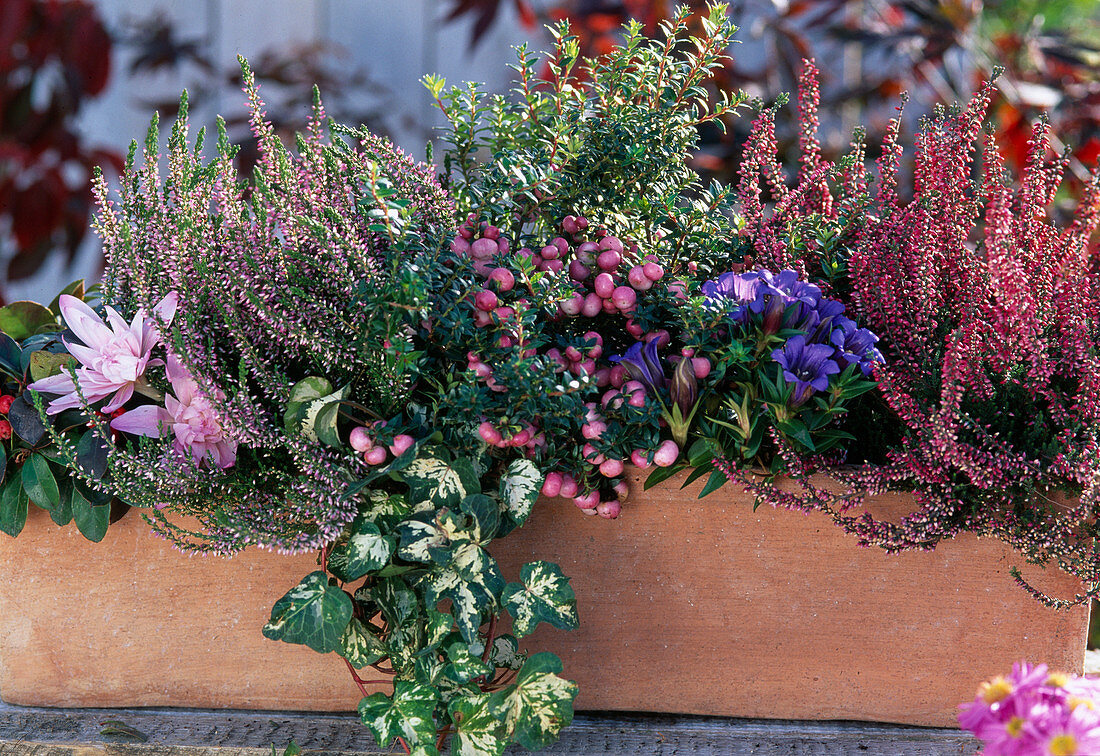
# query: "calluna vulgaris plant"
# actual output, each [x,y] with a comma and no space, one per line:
[352,355]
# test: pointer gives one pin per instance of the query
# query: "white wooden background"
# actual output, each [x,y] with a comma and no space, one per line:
[394,41]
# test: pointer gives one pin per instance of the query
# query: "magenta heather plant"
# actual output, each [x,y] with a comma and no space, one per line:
[989,312]
[302,271]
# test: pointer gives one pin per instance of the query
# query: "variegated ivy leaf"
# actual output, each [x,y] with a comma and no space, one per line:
[432,536]
[473,583]
[487,513]
[445,484]
[439,625]
[312,613]
[519,489]
[424,749]
[407,714]
[315,416]
[544,596]
[364,550]
[386,508]
[464,666]
[396,600]
[404,644]
[538,705]
[506,653]
[360,646]
[477,731]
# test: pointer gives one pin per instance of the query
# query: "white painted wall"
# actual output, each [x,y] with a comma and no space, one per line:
[394,41]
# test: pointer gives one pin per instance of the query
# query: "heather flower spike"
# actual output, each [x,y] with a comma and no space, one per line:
[191,418]
[113,357]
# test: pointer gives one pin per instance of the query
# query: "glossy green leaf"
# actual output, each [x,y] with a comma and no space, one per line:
[544,596]
[25,421]
[91,454]
[486,512]
[398,603]
[408,714]
[538,705]
[91,519]
[39,482]
[11,358]
[477,731]
[44,364]
[313,613]
[13,506]
[22,319]
[364,550]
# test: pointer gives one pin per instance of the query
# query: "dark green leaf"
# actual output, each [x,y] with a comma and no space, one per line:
[22,319]
[13,506]
[91,519]
[477,731]
[364,550]
[312,613]
[716,480]
[11,358]
[486,512]
[25,421]
[91,454]
[39,482]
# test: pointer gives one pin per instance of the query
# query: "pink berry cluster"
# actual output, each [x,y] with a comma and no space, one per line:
[367,440]
[606,275]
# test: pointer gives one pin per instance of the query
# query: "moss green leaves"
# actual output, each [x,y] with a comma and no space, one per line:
[406,714]
[536,708]
[313,613]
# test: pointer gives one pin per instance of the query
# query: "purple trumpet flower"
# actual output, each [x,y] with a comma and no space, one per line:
[643,365]
[807,366]
[856,346]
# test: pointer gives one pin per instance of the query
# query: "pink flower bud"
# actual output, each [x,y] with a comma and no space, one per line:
[551,487]
[588,500]
[701,366]
[483,249]
[637,278]
[568,487]
[503,278]
[375,455]
[485,300]
[609,510]
[624,297]
[360,439]
[604,285]
[588,451]
[609,260]
[666,454]
[593,305]
[401,444]
[611,468]
[489,434]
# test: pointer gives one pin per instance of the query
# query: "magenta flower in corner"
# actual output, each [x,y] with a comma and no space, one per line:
[113,358]
[189,416]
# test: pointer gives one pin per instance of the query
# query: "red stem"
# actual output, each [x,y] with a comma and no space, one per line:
[404,745]
[489,638]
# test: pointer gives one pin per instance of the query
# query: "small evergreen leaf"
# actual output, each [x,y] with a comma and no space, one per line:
[91,519]
[312,613]
[407,714]
[544,596]
[25,421]
[477,731]
[538,705]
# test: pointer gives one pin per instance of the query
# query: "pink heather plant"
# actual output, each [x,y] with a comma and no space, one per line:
[113,358]
[189,415]
[988,308]
[1033,712]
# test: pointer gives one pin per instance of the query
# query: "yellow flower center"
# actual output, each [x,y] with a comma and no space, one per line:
[997,689]
[1057,680]
[1074,701]
[1063,745]
[1015,726]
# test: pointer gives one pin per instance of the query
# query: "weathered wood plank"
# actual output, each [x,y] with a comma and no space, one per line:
[180,732]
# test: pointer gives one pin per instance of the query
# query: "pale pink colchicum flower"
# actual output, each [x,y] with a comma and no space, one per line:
[189,416]
[112,358]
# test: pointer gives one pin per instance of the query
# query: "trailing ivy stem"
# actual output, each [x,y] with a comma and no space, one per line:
[404,745]
[355,676]
[442,738]
[489,639]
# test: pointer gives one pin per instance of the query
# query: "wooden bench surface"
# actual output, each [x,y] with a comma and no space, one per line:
[182,732]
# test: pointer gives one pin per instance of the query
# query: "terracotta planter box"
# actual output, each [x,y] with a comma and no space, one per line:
[688,606]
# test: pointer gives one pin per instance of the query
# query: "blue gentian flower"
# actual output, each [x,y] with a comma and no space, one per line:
[806,366]
[643,365]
